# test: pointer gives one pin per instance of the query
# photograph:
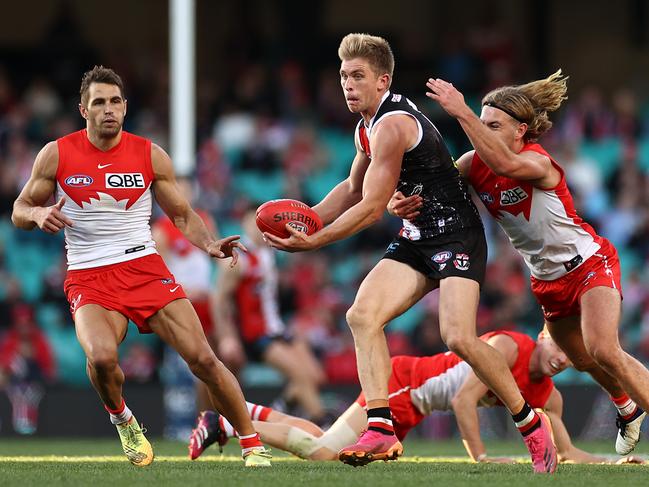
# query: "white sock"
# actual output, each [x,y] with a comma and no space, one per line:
[227,428]
[122,417]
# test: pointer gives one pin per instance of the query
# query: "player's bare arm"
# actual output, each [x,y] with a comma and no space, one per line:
[346,193]
[465,403]
[29,212]
[223,306]
[390,139]
[568,453]
[181,213]
[492,149]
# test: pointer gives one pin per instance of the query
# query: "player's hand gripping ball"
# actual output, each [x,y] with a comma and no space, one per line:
[273,216]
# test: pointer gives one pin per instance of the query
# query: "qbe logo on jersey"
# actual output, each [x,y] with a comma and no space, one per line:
[131,180]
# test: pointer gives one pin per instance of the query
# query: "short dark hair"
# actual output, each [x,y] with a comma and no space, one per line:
[99,74]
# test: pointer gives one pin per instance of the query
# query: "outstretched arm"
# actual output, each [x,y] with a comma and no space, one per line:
[566,451]
[346,193]
[390,139]
[178,209]
[465,404]
[29,212]
[501,159]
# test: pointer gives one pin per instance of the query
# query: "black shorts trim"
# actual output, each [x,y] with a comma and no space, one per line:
[460,255]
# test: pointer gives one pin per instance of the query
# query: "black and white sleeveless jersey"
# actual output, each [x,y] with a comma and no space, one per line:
[427,169]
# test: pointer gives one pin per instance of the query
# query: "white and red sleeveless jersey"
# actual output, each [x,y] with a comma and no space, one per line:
[108,197]
[435,380]
[190,266]
[542,224]
[256,295]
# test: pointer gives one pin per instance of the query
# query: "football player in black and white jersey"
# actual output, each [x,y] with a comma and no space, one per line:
[444,247]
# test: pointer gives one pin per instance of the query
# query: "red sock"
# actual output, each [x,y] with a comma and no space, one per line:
[250,441]
[259,413]
[625,405]
[117,411]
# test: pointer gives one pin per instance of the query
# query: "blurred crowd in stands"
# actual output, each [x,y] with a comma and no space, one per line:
[283,130]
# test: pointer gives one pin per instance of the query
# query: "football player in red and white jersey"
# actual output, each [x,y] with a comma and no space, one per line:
[443,382]
[575,273]
[104,180]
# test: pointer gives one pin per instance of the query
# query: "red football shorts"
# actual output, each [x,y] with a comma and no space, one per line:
[137,288]
[560,298]
[405,415]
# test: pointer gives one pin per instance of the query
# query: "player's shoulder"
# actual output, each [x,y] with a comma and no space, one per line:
[505,342]
[47,160]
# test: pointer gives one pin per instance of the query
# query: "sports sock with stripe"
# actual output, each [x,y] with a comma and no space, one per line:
[527,420]
[625,405]
[120,415]
[380,419]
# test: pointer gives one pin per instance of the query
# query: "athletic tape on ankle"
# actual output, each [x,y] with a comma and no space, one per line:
[338,436]
[301,443]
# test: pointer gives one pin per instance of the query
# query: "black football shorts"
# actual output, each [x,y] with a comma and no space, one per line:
[459,254]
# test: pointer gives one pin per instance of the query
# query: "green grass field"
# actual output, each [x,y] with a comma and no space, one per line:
[83,462]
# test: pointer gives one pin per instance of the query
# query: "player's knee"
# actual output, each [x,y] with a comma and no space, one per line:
[584,363]
[461,345]
[607,356]
[203,364]
[102,359]
[359,318]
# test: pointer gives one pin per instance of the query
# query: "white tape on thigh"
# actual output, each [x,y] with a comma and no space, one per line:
[301,443]
[338,436]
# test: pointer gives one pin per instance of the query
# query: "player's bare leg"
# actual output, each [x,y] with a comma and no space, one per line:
[600,318]
[304,438]
[378,301]
[458,306]
[566,333]
[203,400]
[303,373]
[178,325]
[99,332]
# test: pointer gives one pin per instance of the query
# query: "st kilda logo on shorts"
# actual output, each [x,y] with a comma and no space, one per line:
[461,262]
[132,180]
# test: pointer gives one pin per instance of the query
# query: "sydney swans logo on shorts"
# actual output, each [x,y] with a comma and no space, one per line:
[461,262]
[133,180]
[78,180]
[75,303]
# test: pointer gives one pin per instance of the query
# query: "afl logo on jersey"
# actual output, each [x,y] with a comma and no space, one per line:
[78,180]
[125,180]
[486,198]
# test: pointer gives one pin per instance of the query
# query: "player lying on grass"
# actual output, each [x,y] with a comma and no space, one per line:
[418,386]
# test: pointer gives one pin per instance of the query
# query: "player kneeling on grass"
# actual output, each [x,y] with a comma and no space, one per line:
[420,385]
